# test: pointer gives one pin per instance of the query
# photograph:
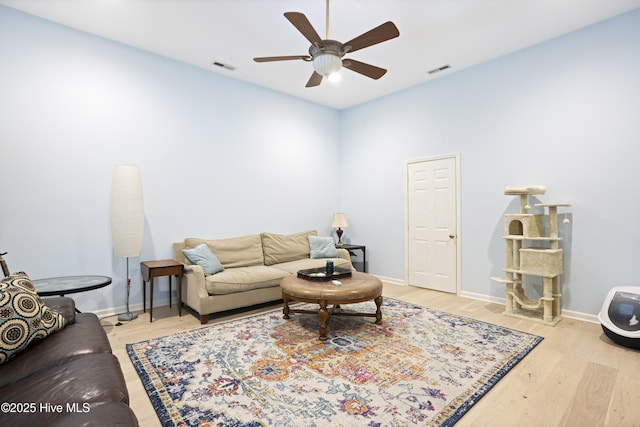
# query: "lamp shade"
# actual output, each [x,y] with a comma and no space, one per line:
[127,211]
[327,63]
[339,220]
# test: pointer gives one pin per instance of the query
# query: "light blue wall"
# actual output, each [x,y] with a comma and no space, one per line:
[218,157]
[564,114]
[222,158]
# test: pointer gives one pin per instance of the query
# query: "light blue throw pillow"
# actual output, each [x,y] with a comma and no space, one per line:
[201,255]
[322,247]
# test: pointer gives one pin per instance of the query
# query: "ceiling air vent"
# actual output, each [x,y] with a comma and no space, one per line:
[225,66]
[436,70]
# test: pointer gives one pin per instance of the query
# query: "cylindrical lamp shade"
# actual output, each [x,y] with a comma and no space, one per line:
[127,211]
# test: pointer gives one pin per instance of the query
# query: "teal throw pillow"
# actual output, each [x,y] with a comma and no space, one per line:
[201,255]
[322,247]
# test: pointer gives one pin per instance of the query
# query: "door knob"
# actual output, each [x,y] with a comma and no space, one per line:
[452,236]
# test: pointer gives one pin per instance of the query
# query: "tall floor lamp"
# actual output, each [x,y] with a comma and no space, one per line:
[127,219]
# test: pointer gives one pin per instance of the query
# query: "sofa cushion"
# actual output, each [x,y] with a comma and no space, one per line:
[82,338]
[95,379]
[243,279]
[24,318]
[322,247]
[280,248]
[292,267]
[116,414]
[235,252]
[201,255]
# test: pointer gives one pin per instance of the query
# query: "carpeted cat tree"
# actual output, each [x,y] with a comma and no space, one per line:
[542,257]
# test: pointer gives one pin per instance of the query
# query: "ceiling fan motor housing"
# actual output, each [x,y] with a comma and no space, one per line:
[327,46]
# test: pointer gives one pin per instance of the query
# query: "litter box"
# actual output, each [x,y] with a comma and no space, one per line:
[620,316]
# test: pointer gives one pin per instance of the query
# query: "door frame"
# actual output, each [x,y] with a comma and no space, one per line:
[456,157]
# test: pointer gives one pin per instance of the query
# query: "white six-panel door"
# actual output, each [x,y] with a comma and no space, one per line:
[432,221]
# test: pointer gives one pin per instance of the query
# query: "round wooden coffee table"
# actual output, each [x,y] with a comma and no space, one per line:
[359,287]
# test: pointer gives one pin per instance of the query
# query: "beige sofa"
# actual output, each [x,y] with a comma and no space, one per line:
[253,267]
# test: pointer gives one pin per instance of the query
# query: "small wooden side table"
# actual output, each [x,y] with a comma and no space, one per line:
[151,269]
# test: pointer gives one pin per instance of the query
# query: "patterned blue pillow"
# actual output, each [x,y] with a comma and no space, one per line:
[322,247]
[24,318]
[201,255]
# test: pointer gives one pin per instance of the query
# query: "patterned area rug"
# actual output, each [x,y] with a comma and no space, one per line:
[420,367]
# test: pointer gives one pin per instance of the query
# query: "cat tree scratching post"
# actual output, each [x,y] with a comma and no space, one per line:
[535,261]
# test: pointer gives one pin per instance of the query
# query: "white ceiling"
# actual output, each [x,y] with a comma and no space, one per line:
[433,33]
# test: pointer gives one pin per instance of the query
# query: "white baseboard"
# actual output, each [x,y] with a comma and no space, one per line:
[501,301]
[390,280]
[113,311]
[480,297]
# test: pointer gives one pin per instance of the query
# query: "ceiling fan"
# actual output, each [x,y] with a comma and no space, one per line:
[327,55]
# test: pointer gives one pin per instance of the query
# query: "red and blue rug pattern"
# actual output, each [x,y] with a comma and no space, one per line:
[419,367]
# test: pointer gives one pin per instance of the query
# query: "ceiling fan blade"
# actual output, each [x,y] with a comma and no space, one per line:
[281,58]
[380,34]
[315,80]
[303,25]
[365,69]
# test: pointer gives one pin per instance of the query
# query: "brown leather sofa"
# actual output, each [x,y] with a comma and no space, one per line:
[70,378]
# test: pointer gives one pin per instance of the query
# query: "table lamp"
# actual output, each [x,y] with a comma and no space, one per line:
[127,219]
[339,221]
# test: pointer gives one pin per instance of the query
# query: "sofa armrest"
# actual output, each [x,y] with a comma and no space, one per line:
[63,305]
[193,269]
[194,289]
[193,277]
[344,254]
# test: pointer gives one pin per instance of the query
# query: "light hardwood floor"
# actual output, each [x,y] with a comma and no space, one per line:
[575,377]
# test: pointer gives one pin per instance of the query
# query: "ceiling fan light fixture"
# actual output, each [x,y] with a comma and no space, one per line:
[326,54]
[327,63]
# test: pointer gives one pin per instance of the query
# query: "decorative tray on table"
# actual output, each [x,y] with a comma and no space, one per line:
[320,274]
